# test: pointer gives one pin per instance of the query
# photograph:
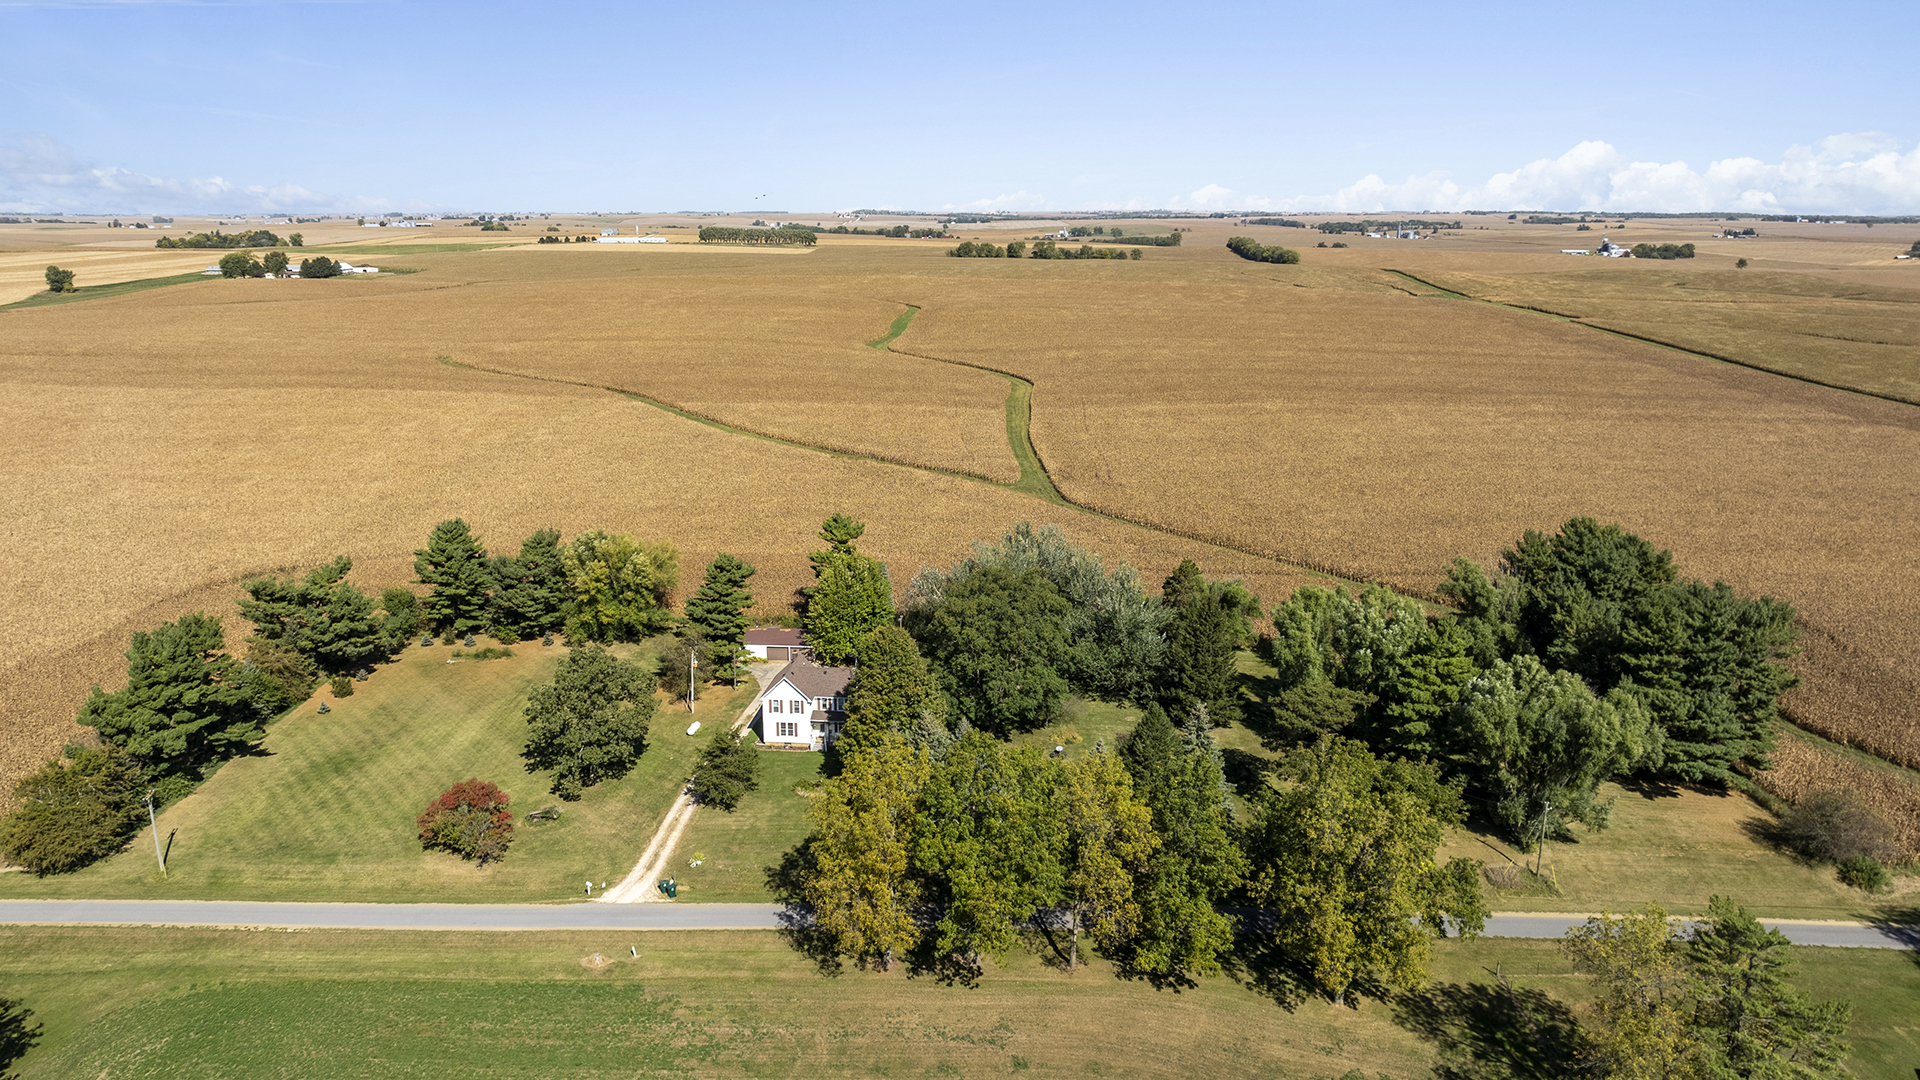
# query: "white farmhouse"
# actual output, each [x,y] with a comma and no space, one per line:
[804,706]
[1612,250]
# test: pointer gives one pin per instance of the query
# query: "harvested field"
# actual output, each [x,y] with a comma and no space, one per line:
[272,460]
[1331,414]
[1327,417]
[1801,767]
[1816,326]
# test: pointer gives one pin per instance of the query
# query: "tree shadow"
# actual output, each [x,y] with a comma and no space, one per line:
[17,1036]
[1043,935]
[1492,1031]
[787,883]
[1261,964]
[1903,925]
[1246,771]
[1655,787]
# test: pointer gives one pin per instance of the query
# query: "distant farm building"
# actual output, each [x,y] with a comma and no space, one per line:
[776,643]
[1612,250]
[1575,251]
[612,236]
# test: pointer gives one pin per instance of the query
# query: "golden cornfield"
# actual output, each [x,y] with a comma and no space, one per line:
[164,445]
[1801,767]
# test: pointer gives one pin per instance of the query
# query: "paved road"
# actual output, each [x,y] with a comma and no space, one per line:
[590,916]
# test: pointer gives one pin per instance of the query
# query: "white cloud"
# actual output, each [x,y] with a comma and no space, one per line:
[1852,173]
[39,175]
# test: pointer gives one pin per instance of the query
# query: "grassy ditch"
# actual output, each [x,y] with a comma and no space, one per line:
[101,292]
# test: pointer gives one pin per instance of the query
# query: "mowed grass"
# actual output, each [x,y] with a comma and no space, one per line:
[204,1003]
[737,848]
[101,292]
[327,810]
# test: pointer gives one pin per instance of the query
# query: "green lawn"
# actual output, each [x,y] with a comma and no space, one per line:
[737,848]
[326,811]
[98,292]
[201,1003]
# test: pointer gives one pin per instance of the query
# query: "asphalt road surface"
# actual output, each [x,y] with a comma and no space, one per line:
[591,916]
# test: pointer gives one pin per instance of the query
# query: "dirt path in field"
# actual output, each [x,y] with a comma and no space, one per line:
[639,887]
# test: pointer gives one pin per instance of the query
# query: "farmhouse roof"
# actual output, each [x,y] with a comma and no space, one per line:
[775,635]
[813,680]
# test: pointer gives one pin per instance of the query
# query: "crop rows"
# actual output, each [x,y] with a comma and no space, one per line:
[1801,768]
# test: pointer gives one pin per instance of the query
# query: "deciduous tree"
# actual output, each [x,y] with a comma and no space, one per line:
[590,723]
[1345,853]
[850,596]
[863,890]
[1643,1003]
[1541,744]
[1110,844]
[60,281]
[998,642]
[621,586]
[471,820]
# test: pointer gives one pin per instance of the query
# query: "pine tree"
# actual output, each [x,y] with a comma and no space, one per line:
[1750,1020]
[1426,686]
[850,596]
[531,589]
[1204,635]
[78,808]
[454,567]
[893,693]
[718,612]
[184,706]
[728,768]
[321,616]
[1180,934]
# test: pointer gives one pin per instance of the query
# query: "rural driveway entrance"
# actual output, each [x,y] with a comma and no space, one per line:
[590,916]
[638,886]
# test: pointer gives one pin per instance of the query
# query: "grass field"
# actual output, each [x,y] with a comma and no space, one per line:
[237,1003]
[327,811]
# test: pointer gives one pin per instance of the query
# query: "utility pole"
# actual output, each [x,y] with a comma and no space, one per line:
[1540,858]
[155,824]
[693,661]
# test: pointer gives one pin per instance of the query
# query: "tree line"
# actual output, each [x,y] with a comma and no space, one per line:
[1663,251]
[218,239]
[1284,223]
[731,235]
[896,231]
[1250,249]
[1172,239]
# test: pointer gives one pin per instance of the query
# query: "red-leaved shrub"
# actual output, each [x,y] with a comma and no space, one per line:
[471,819]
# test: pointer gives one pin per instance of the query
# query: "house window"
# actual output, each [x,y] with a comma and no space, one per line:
[825,703]
[773,705]
[798,707]
[786,729]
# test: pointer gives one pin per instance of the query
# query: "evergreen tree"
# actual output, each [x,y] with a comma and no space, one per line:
[531,590]
[892,693]
[590,723]
[1346,855]
[1422,692]
[1207,629]
[861,886]
[454,568]
[402,614]
[77,809]
[1314,708]
[1750,1021]
[999,646]
[1180,935]
[728,768]
[851,594]
[718,611]
[184,706]
[1707,663]
[1578,585]
[321,616]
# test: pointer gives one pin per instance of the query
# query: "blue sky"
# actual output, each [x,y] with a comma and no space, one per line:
[137,106]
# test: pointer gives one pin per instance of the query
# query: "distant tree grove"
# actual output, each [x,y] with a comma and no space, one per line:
[1253,251]
[726,234]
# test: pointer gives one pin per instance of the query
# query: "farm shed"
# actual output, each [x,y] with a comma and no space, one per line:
[776,643]
[804,706]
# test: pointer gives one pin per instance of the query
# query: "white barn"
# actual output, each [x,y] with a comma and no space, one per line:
[805,706]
